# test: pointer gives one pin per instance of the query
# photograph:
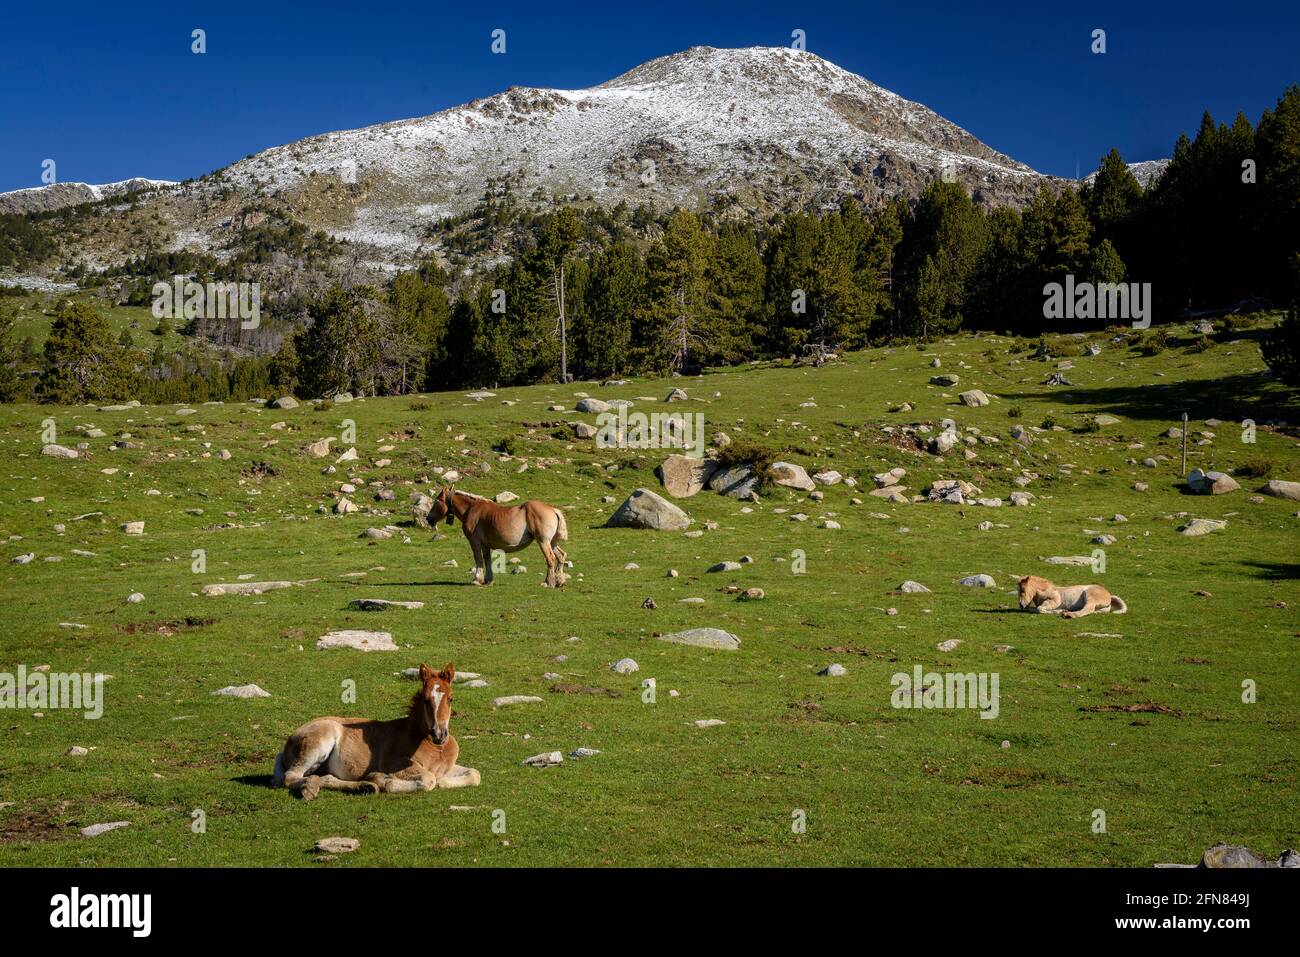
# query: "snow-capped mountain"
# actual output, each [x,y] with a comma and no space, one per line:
[745,132]
[58,195]
[767,128]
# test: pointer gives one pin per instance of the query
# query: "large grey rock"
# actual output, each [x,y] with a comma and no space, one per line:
[59,452]
[360,640]
[912,587]
[1203,526]
[736,482]
[242,691]
[683,476]
[94,830]
[242,588]
[645,509]
[1281,489]
[337,845]
[789,475]
[1211,483]
[703,638]
[974,398]
[382,604]
[1231,855]
[592,405]
[285,402]
[978,581]
[943,442]
[946,379]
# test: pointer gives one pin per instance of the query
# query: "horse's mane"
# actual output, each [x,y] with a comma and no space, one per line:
[415,702]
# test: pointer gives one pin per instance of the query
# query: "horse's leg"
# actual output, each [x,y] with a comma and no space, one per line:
[305,755]
[478,557]
[460,777]
[329,782]
[549,555]
[487,562]
[404,781]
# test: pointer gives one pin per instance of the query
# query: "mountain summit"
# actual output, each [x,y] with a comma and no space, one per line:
[761,129]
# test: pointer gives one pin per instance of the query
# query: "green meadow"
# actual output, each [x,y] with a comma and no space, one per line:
[1146,718]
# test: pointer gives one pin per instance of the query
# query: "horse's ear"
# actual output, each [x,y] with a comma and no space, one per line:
[425,672]
[448,671]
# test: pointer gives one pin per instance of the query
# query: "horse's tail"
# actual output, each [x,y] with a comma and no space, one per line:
[423,505]
[562,527]
[1117,605]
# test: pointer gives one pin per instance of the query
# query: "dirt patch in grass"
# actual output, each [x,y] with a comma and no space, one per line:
[1140,707]
[28,826]
[258,471]
[167,629]
[568,688]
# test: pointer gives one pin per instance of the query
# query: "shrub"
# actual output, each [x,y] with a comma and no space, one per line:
[419,407]
[1200,344]
[743,452]
[1254,468]
[1013,412]
[1049,423]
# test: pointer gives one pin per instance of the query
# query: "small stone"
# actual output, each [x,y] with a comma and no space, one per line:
[833,671]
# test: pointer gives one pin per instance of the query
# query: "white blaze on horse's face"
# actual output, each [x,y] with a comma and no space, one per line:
[437,730]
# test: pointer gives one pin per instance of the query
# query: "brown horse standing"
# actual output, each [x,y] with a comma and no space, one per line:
[414,753]
[488,525]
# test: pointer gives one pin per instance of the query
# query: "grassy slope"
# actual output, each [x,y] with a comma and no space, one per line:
[31,321]
[880,786]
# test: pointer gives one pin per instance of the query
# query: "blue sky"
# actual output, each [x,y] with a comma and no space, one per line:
[110,93]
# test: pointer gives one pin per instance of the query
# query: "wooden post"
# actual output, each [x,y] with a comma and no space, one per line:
[1184,443]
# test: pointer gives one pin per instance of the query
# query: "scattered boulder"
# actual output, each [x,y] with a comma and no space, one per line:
[676,395]
[95,830]
[978,581]
[382,604]
[644,509]
[1203,526]
[546,759]
[337,845]
[912,587]
[974,398]
[284,402]
[133,528]
[242,691]
[946,379]
[510,699]
[59,452]
[789,475]
[683,476]
[1280,489]
[891,478]
[242,588]
[739,481]
[1211,483]
[703,638]
[361,640]
[833,671]
[592,405]
[624,666]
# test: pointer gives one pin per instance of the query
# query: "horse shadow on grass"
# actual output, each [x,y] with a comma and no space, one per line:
[254,780]
[1276,571]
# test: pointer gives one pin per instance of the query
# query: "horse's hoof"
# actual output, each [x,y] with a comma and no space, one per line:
[368,787]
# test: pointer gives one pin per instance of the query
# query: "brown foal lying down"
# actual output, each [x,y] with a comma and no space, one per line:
[488,525]
[1069,601]
[414,753]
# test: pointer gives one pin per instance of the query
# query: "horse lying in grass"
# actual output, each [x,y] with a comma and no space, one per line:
[489,526]
[361,756]
[1069,601]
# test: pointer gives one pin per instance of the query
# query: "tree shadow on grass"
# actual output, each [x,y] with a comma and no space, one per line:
[1276,571]
[1234,397]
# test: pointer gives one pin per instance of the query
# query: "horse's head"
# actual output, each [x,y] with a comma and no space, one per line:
[441,508]
[434,700]
[1033,590]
